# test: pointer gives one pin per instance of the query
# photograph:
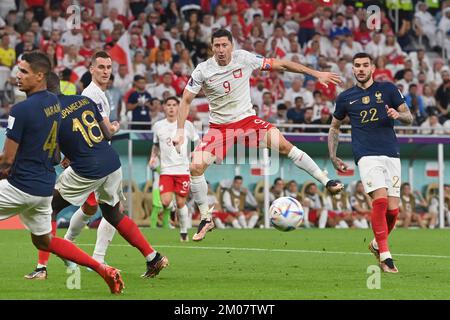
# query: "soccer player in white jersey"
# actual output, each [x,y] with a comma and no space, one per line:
[101,68]
[224,79]
[174,178]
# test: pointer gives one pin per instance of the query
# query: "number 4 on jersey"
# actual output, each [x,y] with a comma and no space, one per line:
[50,142]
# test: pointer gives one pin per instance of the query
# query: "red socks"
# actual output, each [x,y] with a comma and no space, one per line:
[67,250]
[130,232]
[379,223]
[391,218]
[43,256]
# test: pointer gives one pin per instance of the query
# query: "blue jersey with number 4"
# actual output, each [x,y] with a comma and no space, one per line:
[372,130]
[33,124]
[82,141]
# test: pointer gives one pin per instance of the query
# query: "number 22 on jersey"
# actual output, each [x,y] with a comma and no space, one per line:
[369,116]
[88,135]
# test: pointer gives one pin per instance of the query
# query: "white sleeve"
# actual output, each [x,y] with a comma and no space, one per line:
[227,205]
[196,81]
[254,61]
[155,133]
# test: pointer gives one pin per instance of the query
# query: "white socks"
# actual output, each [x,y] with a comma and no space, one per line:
[78,221]
[199,189]
[105,234]
[306,217]
[323,219]
[252,222]
[236,224]
[303,161]
[219,224]
[342,224]
[242,221]
[183,215]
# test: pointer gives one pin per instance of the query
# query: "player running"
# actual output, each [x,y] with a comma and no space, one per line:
[224,79]
[372,108]
[27,163]
[94,167]
[100,69]
[174,178]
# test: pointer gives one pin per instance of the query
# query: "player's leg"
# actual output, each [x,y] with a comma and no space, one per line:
[166,190]
[57,205]
[200,162]
[253,217]
[105,235]
[109,195]
[81,217]
[275,140]
[183,217]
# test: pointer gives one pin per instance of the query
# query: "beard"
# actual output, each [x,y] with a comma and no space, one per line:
[369,76]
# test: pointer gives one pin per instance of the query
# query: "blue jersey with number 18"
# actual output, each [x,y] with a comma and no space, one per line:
[82,141]
[372,130]
[33,124]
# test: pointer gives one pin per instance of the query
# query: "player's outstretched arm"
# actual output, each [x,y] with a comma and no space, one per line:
[7,157]
[323,77]
[183,113]
[333,142]
[154,155]
[402,114]
[109,128]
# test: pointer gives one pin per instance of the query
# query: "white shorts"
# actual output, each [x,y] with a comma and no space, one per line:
[35,212]
[75,189]
[380,172]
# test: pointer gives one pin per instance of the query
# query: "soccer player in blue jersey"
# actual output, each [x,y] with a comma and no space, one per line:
[94,167]
[372,108]
[27,163]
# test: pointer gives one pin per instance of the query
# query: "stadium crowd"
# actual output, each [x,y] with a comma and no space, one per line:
[164,40]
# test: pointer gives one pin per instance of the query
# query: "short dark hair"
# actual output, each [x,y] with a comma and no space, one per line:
[53,83]
[238,178]
[172,98]
[100,54]
[361,55]
[222,33]
[138,77]
[39,62]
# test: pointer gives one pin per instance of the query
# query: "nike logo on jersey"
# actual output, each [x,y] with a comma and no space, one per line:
[352,102]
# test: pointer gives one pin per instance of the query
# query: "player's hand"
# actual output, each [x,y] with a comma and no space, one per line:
[334,187]
[4,173]
[328,77]
[64,163]
[178,140]
[115,126]
[392,113]
[339,165]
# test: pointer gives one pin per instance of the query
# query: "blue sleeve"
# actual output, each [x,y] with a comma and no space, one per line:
[16,123]
[396,98]
[340,111]
[133,98]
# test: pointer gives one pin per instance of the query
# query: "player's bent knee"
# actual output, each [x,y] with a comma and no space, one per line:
[197,169]
[41,242]
[88,209]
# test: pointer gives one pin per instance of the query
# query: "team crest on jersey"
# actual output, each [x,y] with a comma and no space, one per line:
[378,96]
[100,107]
[366,100]
[237,73]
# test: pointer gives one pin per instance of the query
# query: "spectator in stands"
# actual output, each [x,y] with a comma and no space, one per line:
[295,114]
[277,190]
[431,125]
[426,22]
[256,92]
[137,65]
[319,104]
[114,96]
[72,37]
[305,12]
[236,200]
[292,190]
[428,97]
[362,206]
[268,108]
[53,22]
[294,91]
[139,103]
[166,85]
[57,51]
[308,114]
[72,58]
[123,80]
[382,73]
[156,113]
[443,97]
[66,86]
[7,54]
[408,212]
[350,47]
[416,105]
[407,80]
[376,46]
[339,210]
[25,24]
[339,30]
[393,52]
[107,25]
[186,62]
[315,212]
[325,119]
[280,117]
[27,43]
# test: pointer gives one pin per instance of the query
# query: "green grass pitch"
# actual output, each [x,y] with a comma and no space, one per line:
[243,264]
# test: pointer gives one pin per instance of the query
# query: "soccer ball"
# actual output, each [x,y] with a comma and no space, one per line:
[286,214]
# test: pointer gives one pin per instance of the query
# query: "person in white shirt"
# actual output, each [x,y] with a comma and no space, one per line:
[224,79]
[426,22]
[174,179]
[166,85]
[123,80]
[101,68]
[350,47]
[107,25]
[54,22]
[72,37]
[375,46]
